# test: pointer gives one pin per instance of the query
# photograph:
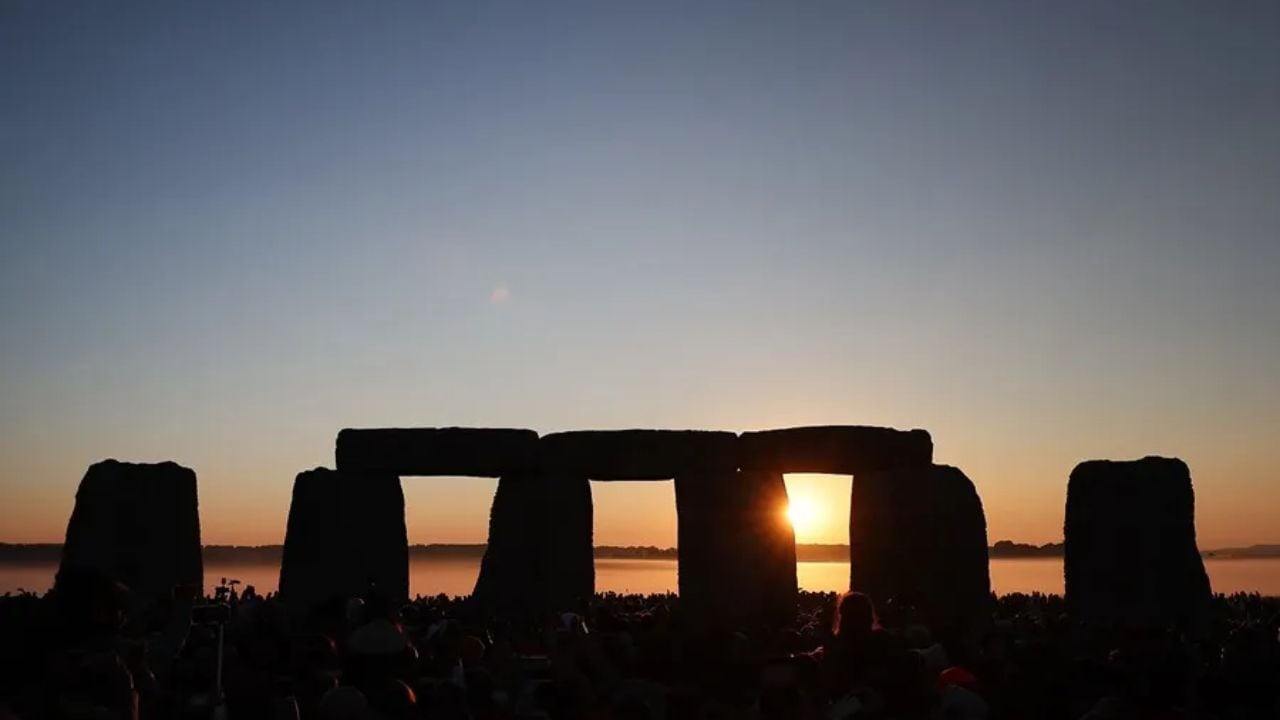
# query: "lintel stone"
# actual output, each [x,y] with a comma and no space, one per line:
[639,454]
[452,451]
[836,449]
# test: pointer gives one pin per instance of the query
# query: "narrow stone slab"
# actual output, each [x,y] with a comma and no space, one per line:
[836,449]
[512,571]
[346,534]
[1130,536]
[737,566]
[918,539]
[138,524]
[639,454]
[570,568]
[478,452]
[539,554]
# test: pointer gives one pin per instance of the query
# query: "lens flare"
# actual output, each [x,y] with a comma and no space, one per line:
[803,514]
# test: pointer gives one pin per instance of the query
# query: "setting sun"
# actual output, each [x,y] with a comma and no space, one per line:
[803,514]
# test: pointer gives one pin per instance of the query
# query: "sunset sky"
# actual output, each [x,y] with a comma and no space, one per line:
[1045,232]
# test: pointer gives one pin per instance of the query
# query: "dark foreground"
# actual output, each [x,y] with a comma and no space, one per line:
[73,654]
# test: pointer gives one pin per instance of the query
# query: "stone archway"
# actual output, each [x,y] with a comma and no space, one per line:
[346,527]
[917,532]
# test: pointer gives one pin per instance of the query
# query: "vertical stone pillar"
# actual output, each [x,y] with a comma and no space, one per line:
[346,534]
[1131,556]
[712,565]
[918,538]
[512,568]
[878,556]
[138,524]
[569,556]
[737,550]
[957,580]
[773,542]
[539,556]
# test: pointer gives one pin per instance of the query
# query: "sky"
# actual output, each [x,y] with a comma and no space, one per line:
[1044,231]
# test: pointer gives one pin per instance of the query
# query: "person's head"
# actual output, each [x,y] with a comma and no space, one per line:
[854,613]
[343,703]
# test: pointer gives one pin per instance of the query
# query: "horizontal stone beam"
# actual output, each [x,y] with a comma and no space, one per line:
[479,452]
[638,454]
[836,449]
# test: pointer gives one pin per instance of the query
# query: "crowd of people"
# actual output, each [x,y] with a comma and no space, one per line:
[84,651]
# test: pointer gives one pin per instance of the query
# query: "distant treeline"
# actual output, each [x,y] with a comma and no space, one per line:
[1010,549]
[40,553]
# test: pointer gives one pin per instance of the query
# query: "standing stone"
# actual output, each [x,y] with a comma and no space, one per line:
[570,577]
[513,566]
[713,568]
[770,538]
[737,550]
[539,554]
[1131,555]
[918,538]
[957,597]
[138,524]
[346,534]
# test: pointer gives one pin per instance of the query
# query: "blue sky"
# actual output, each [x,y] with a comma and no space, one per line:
[1044,231]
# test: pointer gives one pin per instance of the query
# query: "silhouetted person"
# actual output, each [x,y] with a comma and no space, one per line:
[859,649]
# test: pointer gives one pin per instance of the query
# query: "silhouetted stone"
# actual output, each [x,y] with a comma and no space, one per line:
[480,452]
[837,449]
[1130,545]
[737,551]
[570,562]
[713,566]
[918,537]
[639,454]
[512,571]
[346,532]
[539,553]
[138,524]
[770,542]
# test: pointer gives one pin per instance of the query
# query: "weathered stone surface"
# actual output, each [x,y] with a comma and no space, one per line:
[346,533]
[737,551]
[639,454]
[918,538]
[771,542]
[539,554]
[138,524]
[480,452]
[570,565]
[1130,536]
[713,567]
[513,568]
[838,449]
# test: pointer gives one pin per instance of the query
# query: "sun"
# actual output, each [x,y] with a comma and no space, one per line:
[803,514]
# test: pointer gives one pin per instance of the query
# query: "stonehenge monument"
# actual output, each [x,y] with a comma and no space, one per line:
[737,551]
[345,533]
[138,524]
[1131,555]
[917,531]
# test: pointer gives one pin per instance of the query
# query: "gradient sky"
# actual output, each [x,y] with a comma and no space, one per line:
[1046,232]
